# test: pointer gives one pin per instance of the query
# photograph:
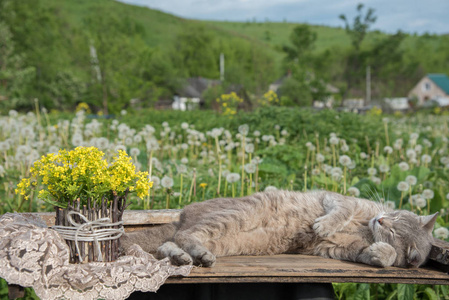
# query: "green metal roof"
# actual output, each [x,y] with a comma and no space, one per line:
[441,80]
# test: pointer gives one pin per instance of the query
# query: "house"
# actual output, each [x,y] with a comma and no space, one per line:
[430,87]
[190,95]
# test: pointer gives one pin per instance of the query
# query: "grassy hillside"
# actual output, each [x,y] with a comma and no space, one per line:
[144,52]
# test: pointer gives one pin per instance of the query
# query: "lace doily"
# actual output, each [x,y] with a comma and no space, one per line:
[31,255]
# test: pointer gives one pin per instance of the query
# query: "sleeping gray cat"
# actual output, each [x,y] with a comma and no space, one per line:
[316,223]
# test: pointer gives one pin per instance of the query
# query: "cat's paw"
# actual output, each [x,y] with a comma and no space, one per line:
[324,228]
[382,254]
[205,259]
[181,259]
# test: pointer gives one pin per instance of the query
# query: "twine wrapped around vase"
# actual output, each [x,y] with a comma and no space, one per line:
[90,231]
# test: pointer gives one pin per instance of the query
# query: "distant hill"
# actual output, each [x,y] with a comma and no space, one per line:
[145,50]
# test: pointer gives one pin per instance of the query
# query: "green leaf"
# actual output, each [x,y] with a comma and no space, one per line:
[392,295]
[363,292]
[405,291]
[430,293]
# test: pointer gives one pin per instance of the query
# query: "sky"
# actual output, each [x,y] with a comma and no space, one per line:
[410,16]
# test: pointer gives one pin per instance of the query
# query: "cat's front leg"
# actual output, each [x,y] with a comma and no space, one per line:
[378,254]
[337,214]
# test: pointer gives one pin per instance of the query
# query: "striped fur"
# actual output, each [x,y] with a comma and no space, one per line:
[317,223]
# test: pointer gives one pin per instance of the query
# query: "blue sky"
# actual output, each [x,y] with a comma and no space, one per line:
[407,15]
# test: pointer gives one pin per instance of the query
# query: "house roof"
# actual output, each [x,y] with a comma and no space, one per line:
[441,80]
[195,87]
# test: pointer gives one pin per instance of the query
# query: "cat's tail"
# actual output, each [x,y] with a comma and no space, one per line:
[149,239]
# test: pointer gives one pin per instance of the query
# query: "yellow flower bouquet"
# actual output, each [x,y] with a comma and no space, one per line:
[90,196]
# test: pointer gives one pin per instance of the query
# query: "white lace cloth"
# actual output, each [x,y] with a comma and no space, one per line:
[31,255]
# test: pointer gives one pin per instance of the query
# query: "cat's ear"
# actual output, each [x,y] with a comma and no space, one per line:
[428,221]
[414,258]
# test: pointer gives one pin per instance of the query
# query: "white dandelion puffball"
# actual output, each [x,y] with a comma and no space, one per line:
[375,180]
[185,125]
[120,147]
[250,168]
[156,182]
[319,157]
[363,155]
[244,129]
[334,140]
[414,136]
[249,148]
[134,152]
[390,204]
[232,177]
[353,191]
[316,172]
[410,153]
[182,169]
[419,201]
[441,233]
[256,133]
[388,149]
[384,168]
[412,180]
[345,160]
[277,127]
[372,171]
[166,182]
[270,188]
[184,160]
[344,148]
[428,194]
[404,166]
[426,158]
[403,186]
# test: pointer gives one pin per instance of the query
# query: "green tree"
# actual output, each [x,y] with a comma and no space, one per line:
[355,58]
[117,49]
[360,26]
[14,75]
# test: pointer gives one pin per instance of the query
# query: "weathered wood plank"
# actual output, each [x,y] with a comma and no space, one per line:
[304,268]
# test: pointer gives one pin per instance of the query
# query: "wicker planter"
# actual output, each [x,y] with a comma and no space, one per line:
[92,231]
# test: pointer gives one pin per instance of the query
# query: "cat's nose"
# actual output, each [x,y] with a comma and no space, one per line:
[380,220]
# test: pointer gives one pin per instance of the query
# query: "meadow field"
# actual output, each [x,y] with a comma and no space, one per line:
[401,160]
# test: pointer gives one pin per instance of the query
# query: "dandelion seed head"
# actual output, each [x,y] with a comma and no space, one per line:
[320,158]
[390,204]
[383,168]
[410,179]
[403,186]
[441,233]
[270,188]
[232,177]
[428,194]
[372,171]
[418,200]
[353,191]
[344,160]
[249,148]
[134,151]
[166,182]
[426,158]
[244,129]
[250,168]
[388,149]
[404,166]
[334,140]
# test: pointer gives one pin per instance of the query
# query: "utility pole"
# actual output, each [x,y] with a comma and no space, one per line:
[222,66]
[368,85]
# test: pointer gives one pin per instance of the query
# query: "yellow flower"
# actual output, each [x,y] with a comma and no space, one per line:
[203,185]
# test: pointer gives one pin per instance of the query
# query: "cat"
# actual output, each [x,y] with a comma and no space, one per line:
[318,223]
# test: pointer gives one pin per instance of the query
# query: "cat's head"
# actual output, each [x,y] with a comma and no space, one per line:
[409,234]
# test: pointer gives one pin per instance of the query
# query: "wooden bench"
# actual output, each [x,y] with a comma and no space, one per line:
[290,268]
